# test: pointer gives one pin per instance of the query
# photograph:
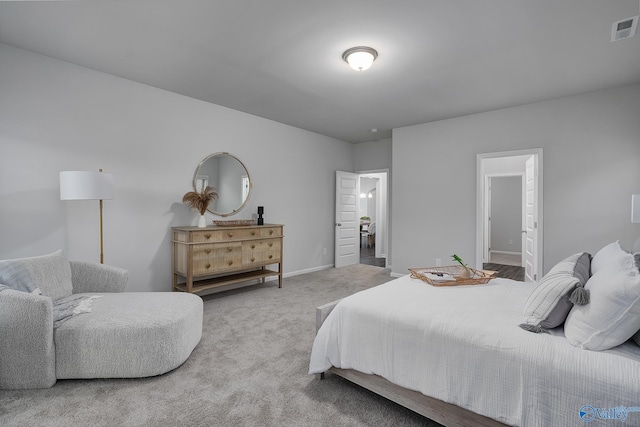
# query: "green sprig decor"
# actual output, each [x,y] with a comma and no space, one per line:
[458,259]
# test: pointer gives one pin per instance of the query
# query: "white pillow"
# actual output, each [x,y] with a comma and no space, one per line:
[611,256]
[613,313]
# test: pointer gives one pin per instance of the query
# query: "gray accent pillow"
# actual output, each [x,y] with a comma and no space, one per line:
[549,304]
[15,275]
[50,273]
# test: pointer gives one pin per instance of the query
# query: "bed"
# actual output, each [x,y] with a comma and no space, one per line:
[457,355]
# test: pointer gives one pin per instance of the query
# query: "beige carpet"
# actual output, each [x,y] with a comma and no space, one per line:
[250,369]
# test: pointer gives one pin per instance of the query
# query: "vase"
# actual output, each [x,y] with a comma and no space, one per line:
[202,221]
[465,273]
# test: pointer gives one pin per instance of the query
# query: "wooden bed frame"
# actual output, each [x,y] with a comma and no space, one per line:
[437,410]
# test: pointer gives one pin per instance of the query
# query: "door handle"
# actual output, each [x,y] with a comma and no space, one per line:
[524,231]
[338,224]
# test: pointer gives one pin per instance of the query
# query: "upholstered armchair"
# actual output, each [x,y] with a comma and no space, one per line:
[121,335]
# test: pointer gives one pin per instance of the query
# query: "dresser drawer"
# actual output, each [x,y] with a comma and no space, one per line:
[205,236]
[216,257]
[260,252]
[271,232]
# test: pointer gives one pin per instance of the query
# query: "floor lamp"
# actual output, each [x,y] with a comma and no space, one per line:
[87,185]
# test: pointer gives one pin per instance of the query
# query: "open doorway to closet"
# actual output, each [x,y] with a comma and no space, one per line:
[505,214]
[509,214]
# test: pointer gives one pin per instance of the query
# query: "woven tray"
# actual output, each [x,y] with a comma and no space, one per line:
[450,275]
[233,222]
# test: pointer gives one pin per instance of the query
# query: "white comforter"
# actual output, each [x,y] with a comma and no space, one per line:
[463,345]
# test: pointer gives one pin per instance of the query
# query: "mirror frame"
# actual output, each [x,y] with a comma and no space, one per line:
[220,153]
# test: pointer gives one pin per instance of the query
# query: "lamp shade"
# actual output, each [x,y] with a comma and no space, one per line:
[86,185]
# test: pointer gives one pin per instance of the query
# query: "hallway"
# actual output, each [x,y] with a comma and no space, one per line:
[368,256]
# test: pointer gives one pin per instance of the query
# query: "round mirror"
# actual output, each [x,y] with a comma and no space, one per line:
[230,179]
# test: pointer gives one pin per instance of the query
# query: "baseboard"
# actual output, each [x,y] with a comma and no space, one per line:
[305,271]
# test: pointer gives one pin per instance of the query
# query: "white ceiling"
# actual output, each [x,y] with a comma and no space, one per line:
[281,59]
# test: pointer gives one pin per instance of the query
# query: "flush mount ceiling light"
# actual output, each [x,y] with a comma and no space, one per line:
[360,58]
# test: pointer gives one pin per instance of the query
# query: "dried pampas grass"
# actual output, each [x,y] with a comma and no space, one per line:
[200,201]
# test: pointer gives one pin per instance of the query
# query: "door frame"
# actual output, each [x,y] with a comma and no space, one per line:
[481,215]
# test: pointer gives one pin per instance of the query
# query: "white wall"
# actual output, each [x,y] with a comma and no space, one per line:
[591,166]
[506,214]
[373,155]
[512,165]
[55,116]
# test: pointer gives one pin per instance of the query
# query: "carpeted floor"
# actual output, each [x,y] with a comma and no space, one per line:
[250,369]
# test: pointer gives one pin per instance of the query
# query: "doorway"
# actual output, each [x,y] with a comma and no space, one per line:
[505,214]
[505,204]
[362,218]
[372,219]
[509,214]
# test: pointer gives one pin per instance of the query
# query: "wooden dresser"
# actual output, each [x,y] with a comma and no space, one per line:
[211,257]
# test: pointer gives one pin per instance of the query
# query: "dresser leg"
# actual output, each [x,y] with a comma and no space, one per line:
[189,283]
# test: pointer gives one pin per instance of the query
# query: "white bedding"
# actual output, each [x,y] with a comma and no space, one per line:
[462,344]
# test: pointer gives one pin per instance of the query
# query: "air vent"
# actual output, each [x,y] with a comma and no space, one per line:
[624,28]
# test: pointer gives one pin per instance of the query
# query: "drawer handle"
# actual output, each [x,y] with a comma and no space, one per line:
[253,259]
[230,234]
[270,256]
[230,249]
[207,251]
[253,246]
[270,232]
[253,233]
[208,266]
[230,263]
[270,244]
[207,236]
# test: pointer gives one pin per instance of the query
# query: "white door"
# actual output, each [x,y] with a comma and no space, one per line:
[531,220]
[347,225]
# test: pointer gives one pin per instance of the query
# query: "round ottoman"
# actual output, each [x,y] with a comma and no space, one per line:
[128,335]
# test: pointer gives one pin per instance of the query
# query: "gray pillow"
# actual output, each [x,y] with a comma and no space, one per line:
[15,275]
[50,273]
[550,302]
